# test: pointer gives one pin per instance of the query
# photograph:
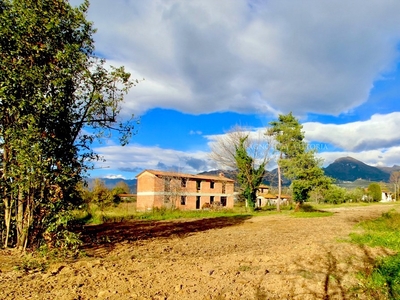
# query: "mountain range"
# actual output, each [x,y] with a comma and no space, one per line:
[344,169]
[351,169]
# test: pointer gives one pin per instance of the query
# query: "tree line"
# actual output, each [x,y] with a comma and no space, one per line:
[282,143]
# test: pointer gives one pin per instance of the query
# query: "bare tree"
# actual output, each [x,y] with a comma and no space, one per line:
[395,179]
[227,151]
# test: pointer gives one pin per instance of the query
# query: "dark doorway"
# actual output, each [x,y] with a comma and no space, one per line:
[198,202]
[223,201]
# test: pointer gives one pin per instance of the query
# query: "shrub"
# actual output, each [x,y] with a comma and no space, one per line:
[374,190]
[334,194]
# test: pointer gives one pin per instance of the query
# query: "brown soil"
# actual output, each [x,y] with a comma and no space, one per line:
[266,257]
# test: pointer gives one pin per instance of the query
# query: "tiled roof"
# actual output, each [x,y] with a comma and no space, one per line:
[184,175]
[267,196]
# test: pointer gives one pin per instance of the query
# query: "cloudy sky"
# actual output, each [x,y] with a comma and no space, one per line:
[210,65]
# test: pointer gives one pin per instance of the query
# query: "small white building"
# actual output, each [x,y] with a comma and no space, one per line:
[386,197]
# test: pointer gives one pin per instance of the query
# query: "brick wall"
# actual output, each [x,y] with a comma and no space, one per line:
[159,191]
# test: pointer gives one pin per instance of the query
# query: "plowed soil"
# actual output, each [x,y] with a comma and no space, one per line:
[265,257]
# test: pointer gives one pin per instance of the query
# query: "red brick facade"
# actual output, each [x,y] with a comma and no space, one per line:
[183,191]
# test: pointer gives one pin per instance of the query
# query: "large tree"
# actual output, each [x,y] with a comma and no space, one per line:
[249,176]
[56,98]
[395,179]
[375,191]
[297,162]
[248,154]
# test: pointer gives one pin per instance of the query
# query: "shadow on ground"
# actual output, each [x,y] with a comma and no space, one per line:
[333,269]
[109,234]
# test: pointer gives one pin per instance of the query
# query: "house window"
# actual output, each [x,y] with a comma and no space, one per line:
[183,182]
[183,200]
[223,201]
[212,184]
[167,184]
[211,200]
[167,199]
[198,184]
[223,187]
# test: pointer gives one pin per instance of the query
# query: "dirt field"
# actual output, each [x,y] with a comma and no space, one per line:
[268,257]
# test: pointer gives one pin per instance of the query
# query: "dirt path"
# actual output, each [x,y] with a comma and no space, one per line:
[268,257]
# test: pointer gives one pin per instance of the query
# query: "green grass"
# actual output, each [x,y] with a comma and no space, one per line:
[350,204]
[384,280]
[309,211]
[127,212]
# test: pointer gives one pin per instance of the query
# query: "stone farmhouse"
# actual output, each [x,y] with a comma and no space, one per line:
[264,197]
[183,191]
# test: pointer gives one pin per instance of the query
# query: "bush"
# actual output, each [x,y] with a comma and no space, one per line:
[355,195]
[374,190]
[334,194]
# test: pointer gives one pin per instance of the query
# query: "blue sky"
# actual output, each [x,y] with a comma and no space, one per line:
[210,65]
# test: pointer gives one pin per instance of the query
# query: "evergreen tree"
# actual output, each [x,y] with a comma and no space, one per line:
[298,163]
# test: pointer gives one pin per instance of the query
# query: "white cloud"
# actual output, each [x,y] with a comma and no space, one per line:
[135,158]
[195,132]
[378,157]
[203,56]
[379,132]
[371,141]
[113,176]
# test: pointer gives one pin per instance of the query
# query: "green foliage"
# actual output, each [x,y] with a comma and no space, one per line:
[122,187]
[386,276]
[101,195]
[249,176]
[335,194]
[126,212]
[116,191]
[56,99]
[288,135]
[384,231]
[355,195]
[31,262]
[374,190]
[384,280]
[297,162]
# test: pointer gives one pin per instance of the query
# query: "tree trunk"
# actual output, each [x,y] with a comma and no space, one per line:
[20,221]
[278,204]
[6,199]
[7,218]
[298,206]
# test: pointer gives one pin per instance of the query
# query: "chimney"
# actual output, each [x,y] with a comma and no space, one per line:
[221,174]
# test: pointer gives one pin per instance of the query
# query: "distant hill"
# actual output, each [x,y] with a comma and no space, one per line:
[227,173]
[390,169]
[351,169]
[270,178]
[344,170]
[111,182]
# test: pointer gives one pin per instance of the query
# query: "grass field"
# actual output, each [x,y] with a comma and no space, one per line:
[127,211]
[384,280]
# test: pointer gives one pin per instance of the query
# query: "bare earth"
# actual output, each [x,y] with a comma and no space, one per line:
[266,257]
